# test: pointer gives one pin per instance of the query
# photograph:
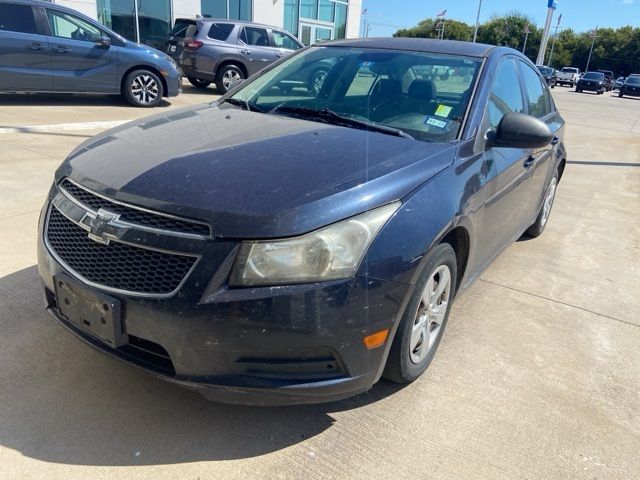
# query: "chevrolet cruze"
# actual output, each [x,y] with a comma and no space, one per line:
[288,244]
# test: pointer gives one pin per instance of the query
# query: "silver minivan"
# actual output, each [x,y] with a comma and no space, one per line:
[226,51]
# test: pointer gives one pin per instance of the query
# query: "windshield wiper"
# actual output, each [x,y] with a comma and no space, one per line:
[329,116]
[243,104]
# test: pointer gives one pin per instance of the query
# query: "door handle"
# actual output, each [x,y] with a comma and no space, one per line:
[61,49]
[245,51]
[555,140]
[529,161]
[34,46]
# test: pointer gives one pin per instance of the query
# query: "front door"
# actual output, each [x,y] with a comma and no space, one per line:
[311,33]
[25,59]
[256,48]
[79,62]
[507,170]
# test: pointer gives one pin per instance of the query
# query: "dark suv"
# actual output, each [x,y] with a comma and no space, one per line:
[592,81]
[608,79]
[226,51]
[46,48]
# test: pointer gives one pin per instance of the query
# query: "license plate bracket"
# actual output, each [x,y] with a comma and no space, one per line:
[95,313]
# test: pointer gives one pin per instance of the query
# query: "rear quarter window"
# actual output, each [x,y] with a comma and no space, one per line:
[220,31]
[17,18]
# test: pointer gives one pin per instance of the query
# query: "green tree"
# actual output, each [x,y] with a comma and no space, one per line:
[510,30]
[453,30]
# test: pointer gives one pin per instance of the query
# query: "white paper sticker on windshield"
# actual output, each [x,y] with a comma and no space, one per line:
[436,123]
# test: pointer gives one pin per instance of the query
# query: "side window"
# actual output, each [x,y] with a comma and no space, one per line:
[17,18]
[64,25]
[363,81]
[539,101]
[220,31]
[505,95]
[257,37]
[282,40]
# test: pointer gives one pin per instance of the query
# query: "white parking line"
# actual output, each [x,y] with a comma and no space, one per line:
[58,127]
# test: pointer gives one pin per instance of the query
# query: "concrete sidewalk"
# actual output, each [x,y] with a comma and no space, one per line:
[537,376]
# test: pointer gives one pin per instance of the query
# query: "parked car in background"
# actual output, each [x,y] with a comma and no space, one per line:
[608,79]
[47,48]
[568,76]
[618,83]
[226,51]
[294,246]
[591,82]
[630,87]
[549,74]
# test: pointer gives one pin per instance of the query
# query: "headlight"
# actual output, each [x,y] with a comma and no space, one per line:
[329,253]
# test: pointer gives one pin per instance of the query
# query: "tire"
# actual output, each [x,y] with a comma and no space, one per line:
[227,77]
[143,88]
[411,353]
[621,94]
[539,225]
[196,82]
[578,90]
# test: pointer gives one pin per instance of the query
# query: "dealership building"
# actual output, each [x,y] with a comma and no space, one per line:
[149,21]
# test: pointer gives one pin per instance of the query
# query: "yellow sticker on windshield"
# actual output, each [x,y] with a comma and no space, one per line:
[443,110]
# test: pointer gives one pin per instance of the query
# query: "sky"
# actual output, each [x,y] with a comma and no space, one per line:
[385,16]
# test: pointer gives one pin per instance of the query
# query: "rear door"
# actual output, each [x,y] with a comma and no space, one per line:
[284,43]
[25,59]
[78,61]
[540,105]
[256,48]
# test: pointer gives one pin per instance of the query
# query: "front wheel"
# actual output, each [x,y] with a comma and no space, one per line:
[621,94]
[425,318]
[537,228]
[228,76]
[143,88]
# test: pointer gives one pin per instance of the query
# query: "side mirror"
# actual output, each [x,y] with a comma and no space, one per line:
[519,130]
[104,41]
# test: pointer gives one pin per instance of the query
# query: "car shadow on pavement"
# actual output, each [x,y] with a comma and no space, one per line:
[61,401]
[67,100]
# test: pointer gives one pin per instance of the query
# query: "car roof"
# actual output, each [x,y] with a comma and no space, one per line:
[226,20]
[451,47]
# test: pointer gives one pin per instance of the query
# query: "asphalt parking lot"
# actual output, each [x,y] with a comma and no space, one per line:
[537,376]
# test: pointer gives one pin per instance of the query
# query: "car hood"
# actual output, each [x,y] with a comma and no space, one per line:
[252,175]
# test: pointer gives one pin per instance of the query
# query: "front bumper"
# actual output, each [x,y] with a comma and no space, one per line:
[261,346]
[631,93]
[590,87]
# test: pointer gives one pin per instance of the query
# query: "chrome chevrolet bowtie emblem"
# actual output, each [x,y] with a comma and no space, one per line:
[104,226]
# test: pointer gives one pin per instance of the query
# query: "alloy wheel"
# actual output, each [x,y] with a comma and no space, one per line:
[548,201]
[144,88]
[431,313]
[229,78]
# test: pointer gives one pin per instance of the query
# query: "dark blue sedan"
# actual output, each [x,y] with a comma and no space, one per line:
[288,244]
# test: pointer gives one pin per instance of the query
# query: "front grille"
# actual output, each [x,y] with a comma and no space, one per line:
[133,215]
[117,265]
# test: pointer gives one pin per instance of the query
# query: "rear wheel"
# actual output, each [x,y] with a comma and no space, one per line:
[537,228]
[425,318]
[196,82]
[143,88]
[228,76]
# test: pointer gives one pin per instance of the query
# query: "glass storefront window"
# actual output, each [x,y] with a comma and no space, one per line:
[154,20]
[325,12]
[213,8]
[291,16]
[309,9]
[341,20]
[232,9]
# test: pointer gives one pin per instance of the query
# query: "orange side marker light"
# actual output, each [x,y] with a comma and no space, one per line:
[376,339]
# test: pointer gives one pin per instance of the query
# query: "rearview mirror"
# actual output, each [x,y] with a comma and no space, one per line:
[519,130]
[104,41]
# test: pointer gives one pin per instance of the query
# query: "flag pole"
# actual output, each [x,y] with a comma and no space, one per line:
[475,31]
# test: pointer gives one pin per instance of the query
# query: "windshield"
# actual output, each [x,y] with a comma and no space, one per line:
[570,70]
[545,70]
[633,80]
[422,95]
[594,76]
